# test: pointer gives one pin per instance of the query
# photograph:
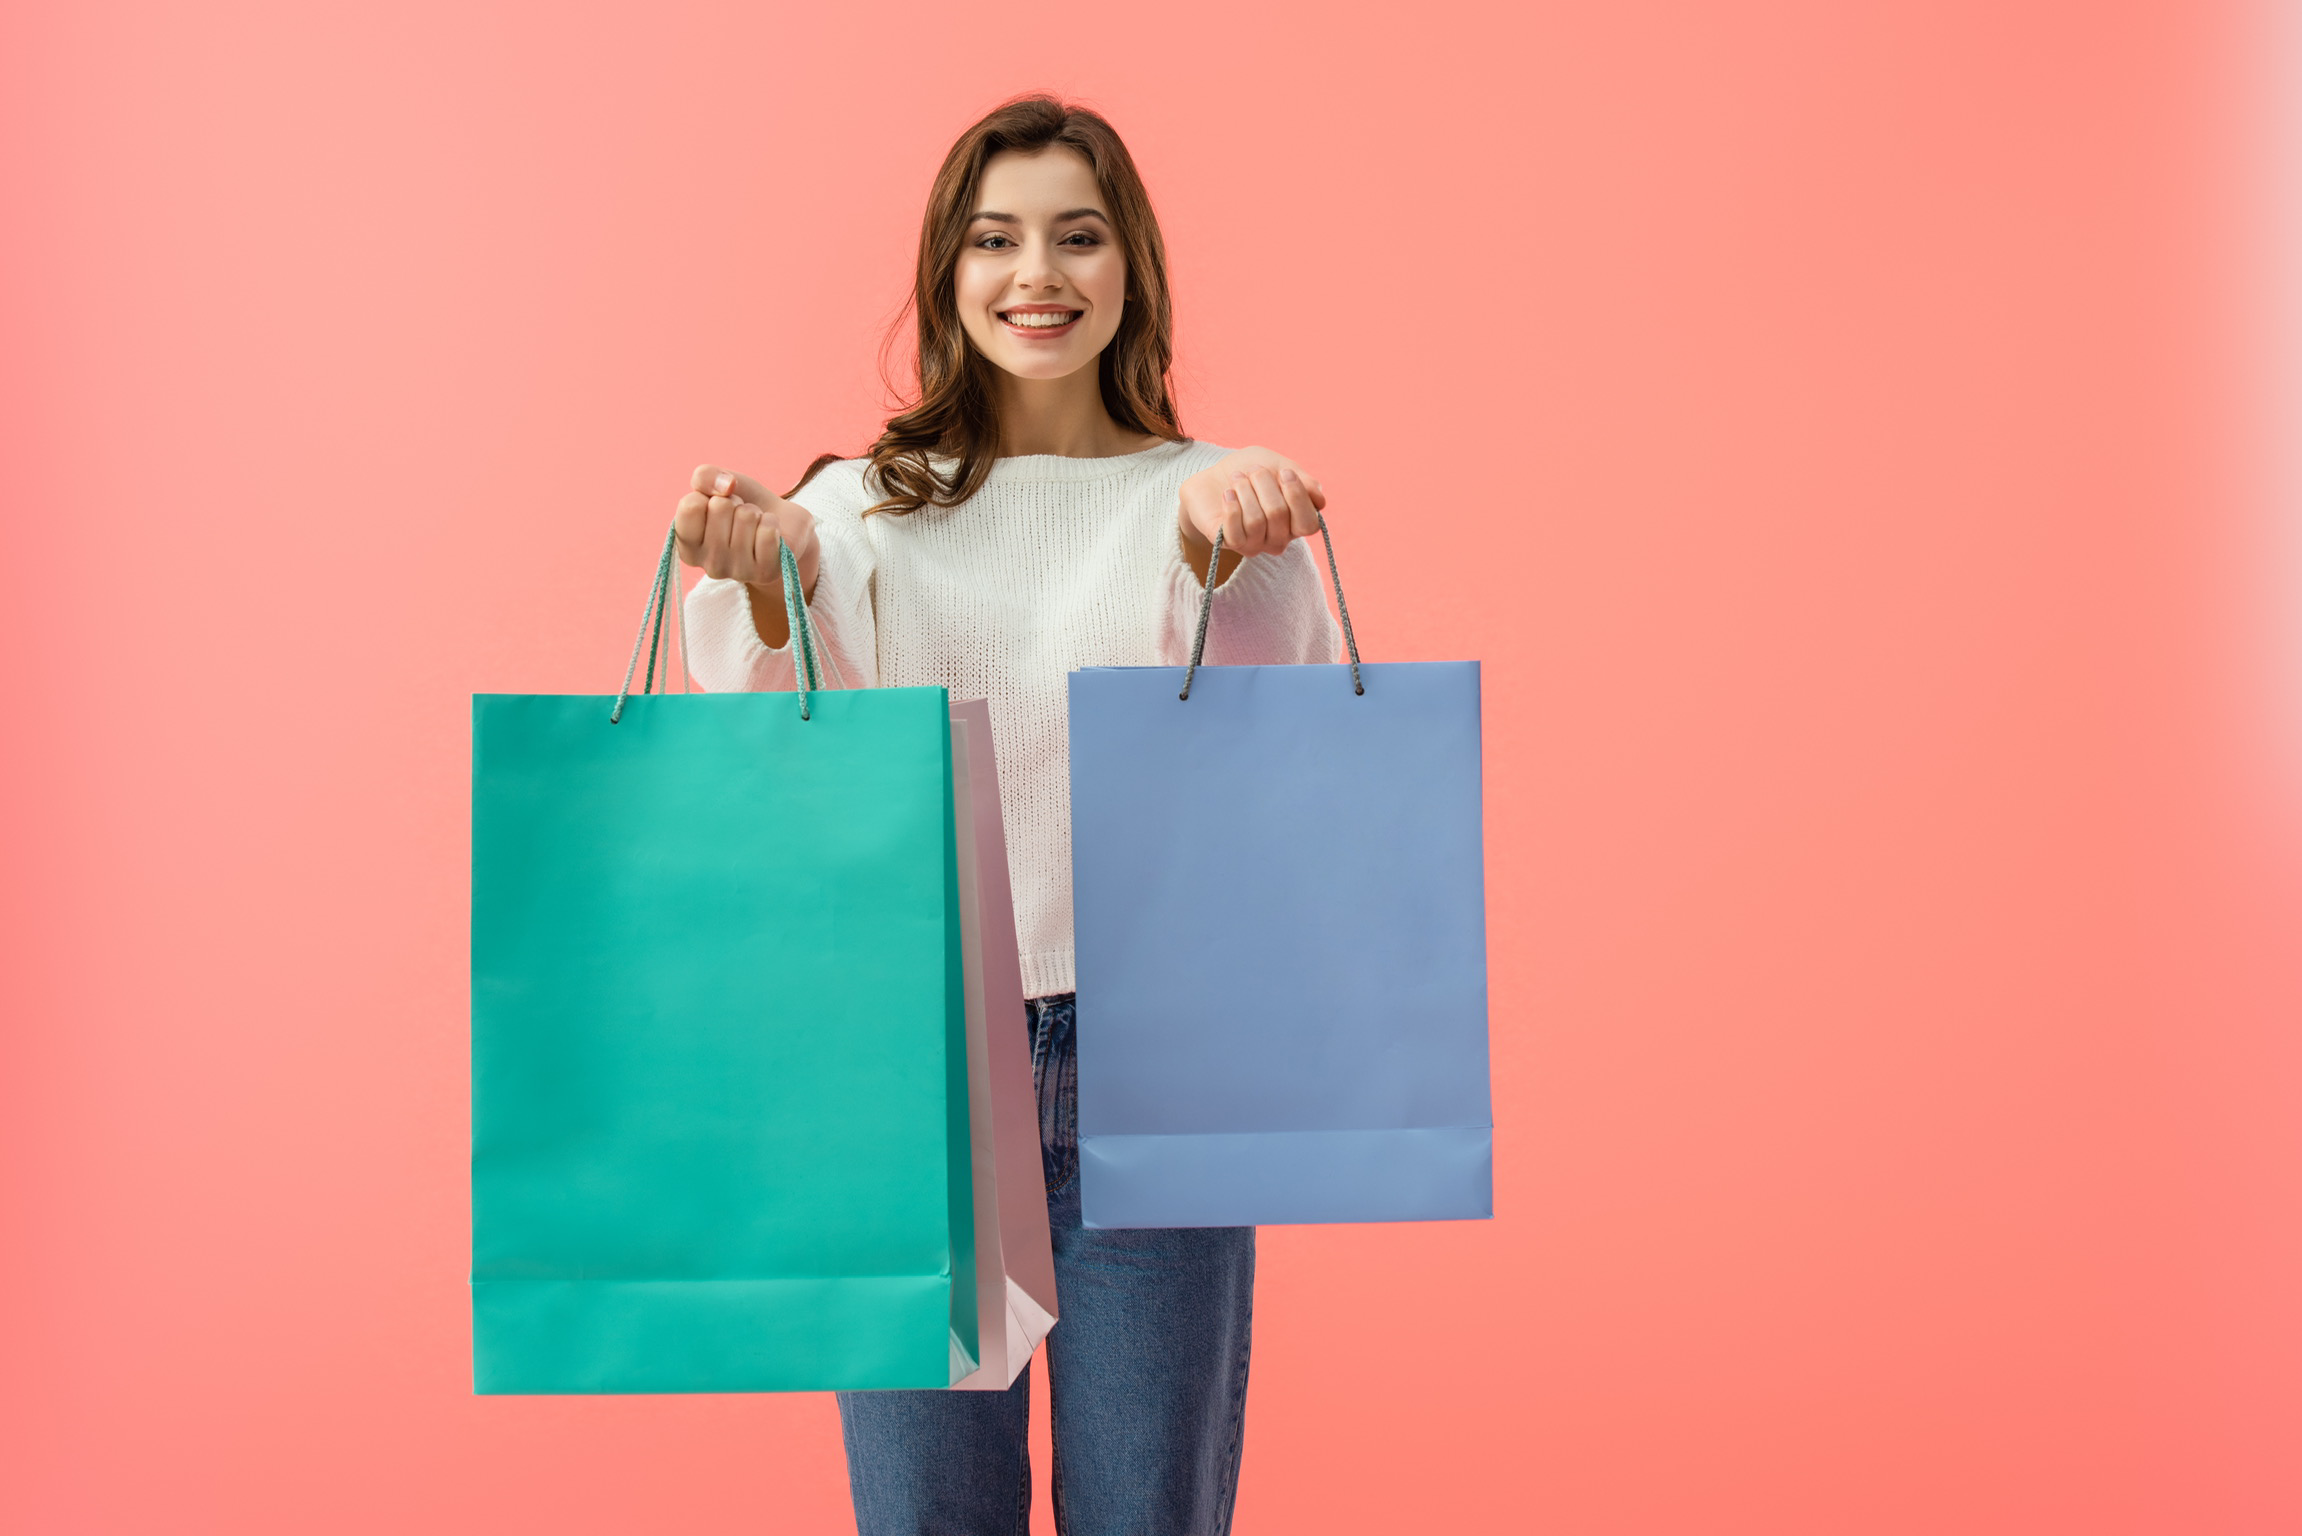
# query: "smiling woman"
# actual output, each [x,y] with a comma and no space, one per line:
[1066,256]
[1036,510]
[1039,255]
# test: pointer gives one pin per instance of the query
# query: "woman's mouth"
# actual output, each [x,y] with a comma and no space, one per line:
[1040,324]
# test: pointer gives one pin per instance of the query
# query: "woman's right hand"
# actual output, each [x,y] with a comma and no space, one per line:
[727,524]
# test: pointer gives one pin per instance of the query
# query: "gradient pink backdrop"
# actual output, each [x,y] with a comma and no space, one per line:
[1820,418]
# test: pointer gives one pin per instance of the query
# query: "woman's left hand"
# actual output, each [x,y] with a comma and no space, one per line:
[1260,500]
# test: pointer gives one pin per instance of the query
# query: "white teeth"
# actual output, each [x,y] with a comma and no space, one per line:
[1042,320]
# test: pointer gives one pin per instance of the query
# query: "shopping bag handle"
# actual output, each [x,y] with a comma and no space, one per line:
[662,594]
[1207,604]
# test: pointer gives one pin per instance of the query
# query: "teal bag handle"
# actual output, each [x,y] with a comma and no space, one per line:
[799,621]
[661,596]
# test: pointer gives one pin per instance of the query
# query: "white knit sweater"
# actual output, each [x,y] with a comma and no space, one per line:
[1055,563]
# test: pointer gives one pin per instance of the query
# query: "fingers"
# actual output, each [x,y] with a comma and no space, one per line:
[744,520]
[1278,517]
[756,537]
[687,521]
[1203,508]
[1265,510]
[733,536]
[1266,522]
[1235,517]
[777,527]
[1259,502]
[719,522]
[796,525]
[1303,512]
[712,480]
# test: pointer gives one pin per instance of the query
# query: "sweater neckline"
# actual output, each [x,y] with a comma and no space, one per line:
[1026,468]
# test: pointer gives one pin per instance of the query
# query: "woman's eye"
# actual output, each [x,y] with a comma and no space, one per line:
[994,243]
[1080,237]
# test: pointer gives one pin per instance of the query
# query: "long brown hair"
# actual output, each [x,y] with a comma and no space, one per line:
[954,412]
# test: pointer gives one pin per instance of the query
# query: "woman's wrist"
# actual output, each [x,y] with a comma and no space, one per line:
[1195,551]
[768,615]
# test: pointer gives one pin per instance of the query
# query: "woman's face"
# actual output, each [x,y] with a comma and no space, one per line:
[1041,280]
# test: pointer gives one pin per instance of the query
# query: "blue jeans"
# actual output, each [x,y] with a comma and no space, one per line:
[1146,1372]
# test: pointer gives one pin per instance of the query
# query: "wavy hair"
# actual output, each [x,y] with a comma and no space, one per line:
[953,412]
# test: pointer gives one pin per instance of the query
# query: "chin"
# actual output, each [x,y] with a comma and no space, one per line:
[1047,368]
[1039,365]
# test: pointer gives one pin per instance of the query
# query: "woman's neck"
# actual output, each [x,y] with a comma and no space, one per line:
[1065,417]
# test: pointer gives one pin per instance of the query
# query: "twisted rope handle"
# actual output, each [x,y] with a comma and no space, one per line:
[802,624]
[659,597]
[663,596]
[1207,606]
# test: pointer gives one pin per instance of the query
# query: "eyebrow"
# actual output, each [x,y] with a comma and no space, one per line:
[1064,217]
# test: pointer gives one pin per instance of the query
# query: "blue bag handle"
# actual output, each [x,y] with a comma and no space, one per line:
[1207,604]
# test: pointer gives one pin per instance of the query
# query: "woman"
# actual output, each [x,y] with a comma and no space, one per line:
[1038,509]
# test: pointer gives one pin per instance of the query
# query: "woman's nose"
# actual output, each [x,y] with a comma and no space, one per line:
[1038,269]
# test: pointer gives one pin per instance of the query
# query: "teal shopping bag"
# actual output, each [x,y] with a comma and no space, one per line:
[719,1091]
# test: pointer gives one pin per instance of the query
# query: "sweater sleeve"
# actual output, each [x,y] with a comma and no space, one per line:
[1273,610]
[729,655]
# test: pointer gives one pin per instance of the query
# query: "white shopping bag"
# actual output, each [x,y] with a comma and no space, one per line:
[1014,1264]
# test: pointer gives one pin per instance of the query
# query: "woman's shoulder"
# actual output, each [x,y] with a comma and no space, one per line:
[840,489]
[1194,454]
[1162,465]
[1161,471]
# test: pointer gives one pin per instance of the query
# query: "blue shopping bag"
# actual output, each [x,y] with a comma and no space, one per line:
[1282,1001]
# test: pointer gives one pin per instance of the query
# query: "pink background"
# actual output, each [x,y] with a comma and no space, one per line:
[1822,419]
